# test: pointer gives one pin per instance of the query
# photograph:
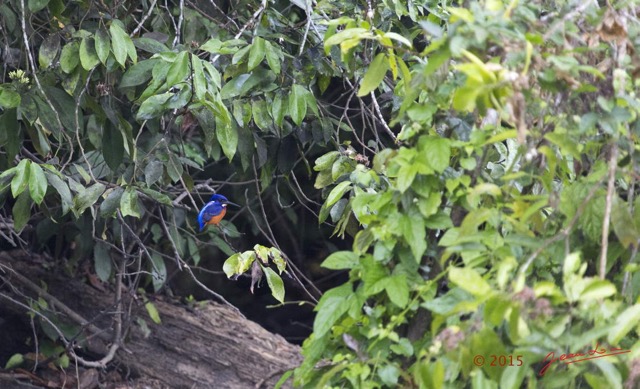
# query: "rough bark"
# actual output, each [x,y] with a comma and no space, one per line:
[205,346]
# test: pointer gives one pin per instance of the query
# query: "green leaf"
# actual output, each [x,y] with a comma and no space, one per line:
[389,375]
[9,99]
[326,161]
[623,223]
[297,104]
[37,183]
[49,50]
[15,361]
[69,58]
[37,5]
[256,53]
[158,271]
[103,45]
[625,322]
[275,284]
[112,146]
[21,211]
[21,179]
[436,152]
[102,261]
[238,263]
[179,69]
[398,290]
[469,280]
[112,202]
[153,106]
[597,289]
[227,136]
[88,57]
[150,45]
[138,74]
[273,57]
[87,197]
[129,203]
[199,81]
[341,260]
[332,305]
[414,232]
[63,190]
[153,312]
[375,74]
[337,193]
[119,43]
[153,172]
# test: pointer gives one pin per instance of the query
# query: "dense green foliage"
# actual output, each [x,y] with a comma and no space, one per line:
[487,177]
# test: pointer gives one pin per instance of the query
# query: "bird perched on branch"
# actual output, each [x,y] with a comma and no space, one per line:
[213,211]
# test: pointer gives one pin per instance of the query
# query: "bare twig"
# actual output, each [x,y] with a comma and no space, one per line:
[384,123]
[144,19]
[179,26]
[613,164]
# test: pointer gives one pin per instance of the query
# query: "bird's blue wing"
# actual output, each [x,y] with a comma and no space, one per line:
[210,210]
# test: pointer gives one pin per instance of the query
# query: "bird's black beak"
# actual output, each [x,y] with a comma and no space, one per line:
[230,203]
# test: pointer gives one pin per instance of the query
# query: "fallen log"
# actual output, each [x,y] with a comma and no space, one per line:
[206,345]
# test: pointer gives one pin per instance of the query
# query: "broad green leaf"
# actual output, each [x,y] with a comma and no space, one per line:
[112,146]
[332,305]
[238,263]
[436,152]
[625,322]
[21,211]
[375,74]
[297,104]
[341,260]
[69,57]
[153,312]
[158,271]
[9,98]
[623,223]
[153,106]
[102,261]
[153,172]
[227,136]
[337,192]
[347,34]
[21,179]
[37,183]
[129,203]
[150,45]
[278,109]
[273,56]
[49,50]
[179,69]
[15,361]
[199,80]
[119,44]
[414,232]
[103,45]
[37,5]
[63,190]
[88,57]
[157,196]
[138,74]
[398,290]
[112,202]
[87,197]
[469,280]
[597,289]
[256,53]
[326,161]
[275,284]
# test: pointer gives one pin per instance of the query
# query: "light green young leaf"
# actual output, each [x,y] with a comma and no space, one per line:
[469,280]
[153,312]
[275,284]
[37,183]
[15,361]
[375,74]
[398,290]
[273,56]
[625,322]
[337,193]
[332,305]
[179,69]
[341,260]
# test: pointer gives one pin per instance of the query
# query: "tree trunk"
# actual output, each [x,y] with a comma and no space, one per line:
[205,346]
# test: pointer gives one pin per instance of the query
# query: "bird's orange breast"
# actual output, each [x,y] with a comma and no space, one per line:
[216,219]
